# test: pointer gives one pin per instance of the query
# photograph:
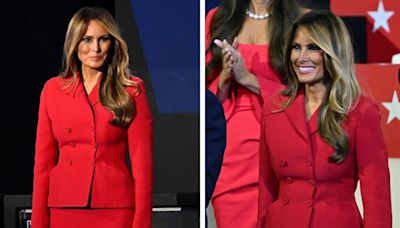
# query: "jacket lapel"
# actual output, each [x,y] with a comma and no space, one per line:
[80,93]
[313,122]
[296,115]
[94,94]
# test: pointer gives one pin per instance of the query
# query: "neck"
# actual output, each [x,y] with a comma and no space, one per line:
[90,75]
[259,6]
[315,94]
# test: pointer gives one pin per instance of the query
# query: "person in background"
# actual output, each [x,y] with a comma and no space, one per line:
[215,142]
[320,136]
[244,56]
[89,116]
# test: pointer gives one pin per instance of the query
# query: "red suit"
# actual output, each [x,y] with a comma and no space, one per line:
[80,156]
[300,188]
[236,192]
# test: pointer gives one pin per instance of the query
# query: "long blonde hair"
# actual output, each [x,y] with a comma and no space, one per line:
[115,79]
[330,34]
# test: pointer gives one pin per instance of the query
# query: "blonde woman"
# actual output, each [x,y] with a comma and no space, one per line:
[89,116]
[244,64]
[320,136]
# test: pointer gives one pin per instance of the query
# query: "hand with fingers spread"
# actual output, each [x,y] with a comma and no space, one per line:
[237,67]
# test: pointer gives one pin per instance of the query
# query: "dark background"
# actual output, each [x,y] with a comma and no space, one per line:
[32,37]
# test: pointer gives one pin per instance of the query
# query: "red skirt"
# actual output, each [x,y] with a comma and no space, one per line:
[91,218]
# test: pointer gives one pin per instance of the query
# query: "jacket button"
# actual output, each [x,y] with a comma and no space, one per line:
[285,201]
[69,162]
[95,145]
[91,162]
[289,180]
[311,183]
[283,163]
[68,130]
[72,144]
[92,128]
[308,162]
[309,203]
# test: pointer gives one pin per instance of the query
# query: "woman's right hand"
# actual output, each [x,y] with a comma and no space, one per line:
[226,75]
[237,67]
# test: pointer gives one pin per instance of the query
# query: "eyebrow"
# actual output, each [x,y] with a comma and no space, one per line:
[307,45]
[102,36]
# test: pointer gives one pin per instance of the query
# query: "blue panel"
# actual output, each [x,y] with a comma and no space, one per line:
[169,33]
[211,4]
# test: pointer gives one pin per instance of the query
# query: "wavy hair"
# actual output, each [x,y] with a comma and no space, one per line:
[330,34]
[115,79]
[228,21]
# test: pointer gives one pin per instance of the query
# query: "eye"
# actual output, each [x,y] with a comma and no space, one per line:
[296,47]
[86,40]
[104,39]
[313,47]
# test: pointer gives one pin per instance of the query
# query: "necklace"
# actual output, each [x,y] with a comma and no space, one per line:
[256,16]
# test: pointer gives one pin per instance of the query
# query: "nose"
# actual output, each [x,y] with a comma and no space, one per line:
[303,56]
[95,46]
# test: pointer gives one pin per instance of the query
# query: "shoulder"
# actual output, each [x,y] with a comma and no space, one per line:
[54,84]
[365,110]
[363,105]
[211,13]
[138,89]
[210,16]
[273,103]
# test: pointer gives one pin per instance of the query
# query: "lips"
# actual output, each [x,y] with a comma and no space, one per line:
[96,58]
[306,69]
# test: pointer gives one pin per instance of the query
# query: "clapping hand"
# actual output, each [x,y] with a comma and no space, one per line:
[234,66]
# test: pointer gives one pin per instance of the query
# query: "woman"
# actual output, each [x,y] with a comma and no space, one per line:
[240,73]
[334,132]
[88,117]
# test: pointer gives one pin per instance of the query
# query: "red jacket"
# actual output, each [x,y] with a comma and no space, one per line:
[81,155]
[300,188]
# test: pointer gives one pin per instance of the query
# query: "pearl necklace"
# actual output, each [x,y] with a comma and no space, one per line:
[257,17]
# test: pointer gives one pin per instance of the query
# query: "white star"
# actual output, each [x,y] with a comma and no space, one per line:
[381,17]
[393,107]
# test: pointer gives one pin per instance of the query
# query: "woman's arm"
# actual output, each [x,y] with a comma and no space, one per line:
[373,171]
[140,139]
[46,154]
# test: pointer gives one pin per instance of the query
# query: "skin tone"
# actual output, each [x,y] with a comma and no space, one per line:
[93,52]
[308,63]
[233,65]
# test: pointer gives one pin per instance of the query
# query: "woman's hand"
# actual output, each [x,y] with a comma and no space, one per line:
[237,65]
[226,76]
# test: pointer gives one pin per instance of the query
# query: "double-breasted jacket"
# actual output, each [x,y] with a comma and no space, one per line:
[299,187]
[80,158]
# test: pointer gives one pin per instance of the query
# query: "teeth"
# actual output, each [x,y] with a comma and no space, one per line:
[306,70]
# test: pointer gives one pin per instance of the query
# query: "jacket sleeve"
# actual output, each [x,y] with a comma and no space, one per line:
[46,154]
[140,139]
[268,183]
[373,171]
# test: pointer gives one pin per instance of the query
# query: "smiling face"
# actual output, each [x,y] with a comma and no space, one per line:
[94,47]
[307,59]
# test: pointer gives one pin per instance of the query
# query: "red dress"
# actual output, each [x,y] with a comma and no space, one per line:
[236,193]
